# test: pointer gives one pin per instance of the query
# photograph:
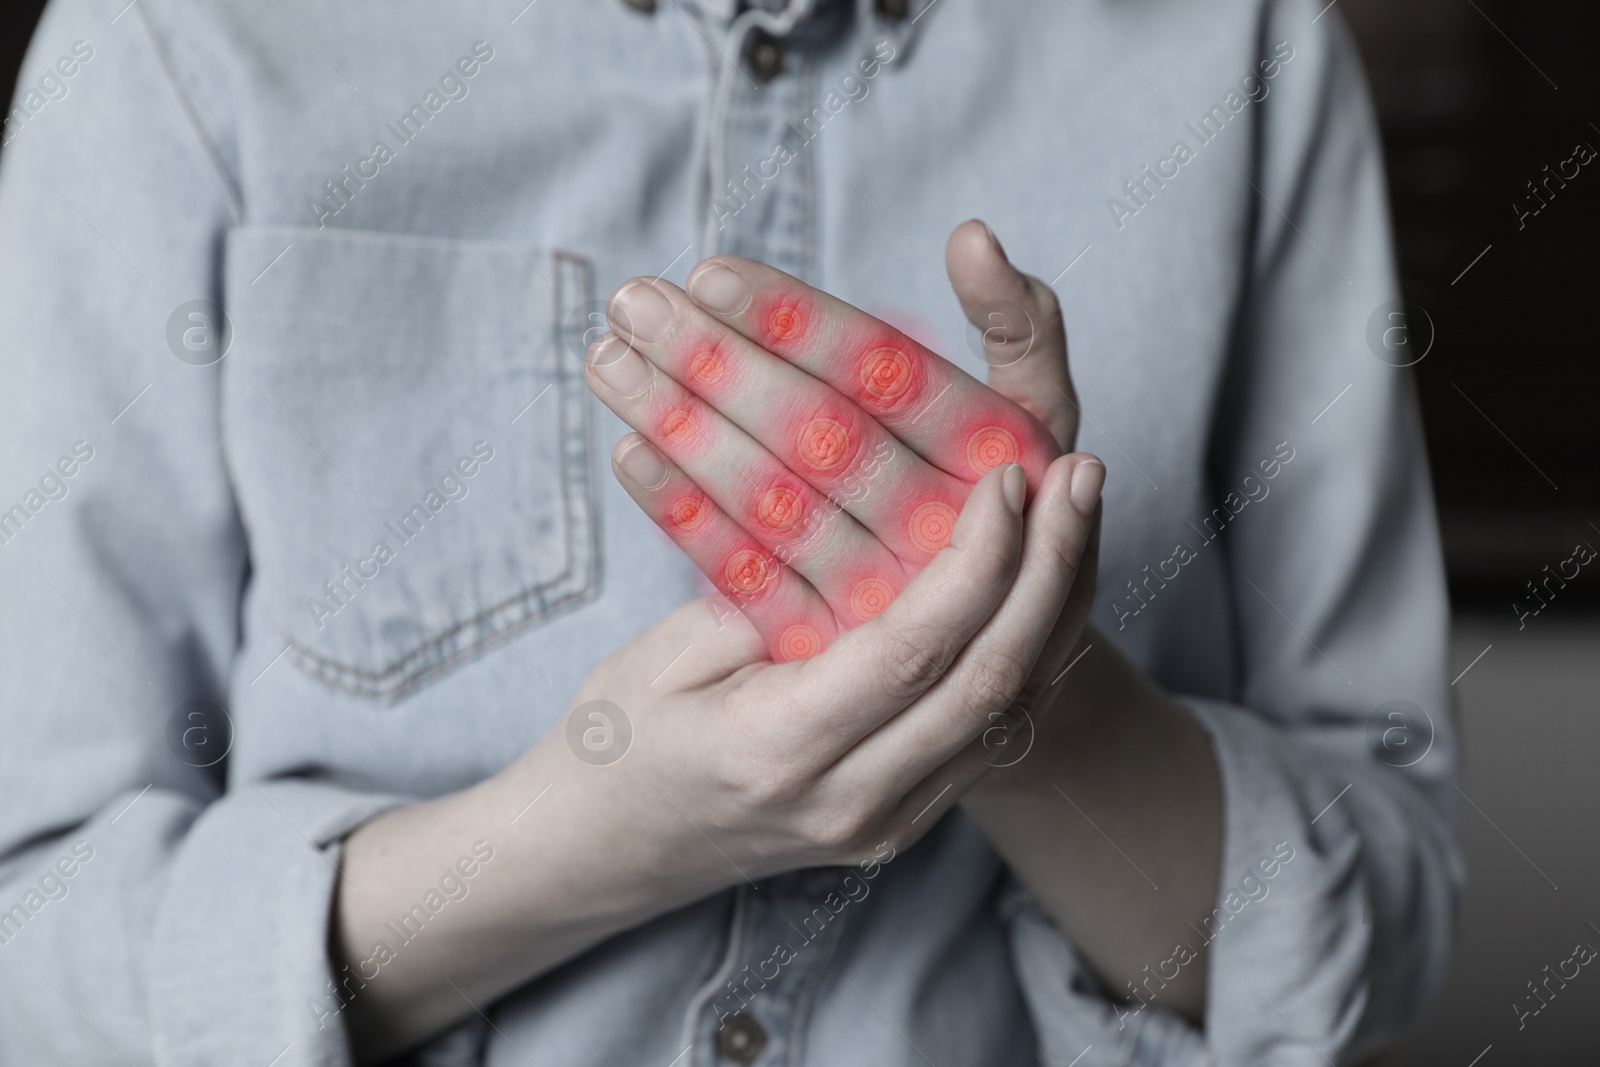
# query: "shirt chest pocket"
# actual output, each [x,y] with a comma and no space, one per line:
[409,433]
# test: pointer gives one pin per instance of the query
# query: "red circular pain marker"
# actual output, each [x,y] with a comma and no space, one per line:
[679,426]
[931,525]
[990,447]
[688,512]
[747,572]
[870,597]
[886,374]
[799,642]
[823,444]
[785,322]
[779,509]
[707,366]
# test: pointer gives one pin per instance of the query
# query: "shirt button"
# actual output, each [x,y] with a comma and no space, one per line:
[741,1039]
[645,6]
[765,56]
[894,10]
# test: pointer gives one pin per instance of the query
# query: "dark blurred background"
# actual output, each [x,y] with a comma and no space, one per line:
[1477,98]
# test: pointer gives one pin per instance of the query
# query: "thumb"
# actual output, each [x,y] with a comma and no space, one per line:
[1024,341]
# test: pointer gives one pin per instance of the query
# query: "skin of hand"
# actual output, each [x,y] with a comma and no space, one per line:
[1119,793]
[739,767]
[730,380]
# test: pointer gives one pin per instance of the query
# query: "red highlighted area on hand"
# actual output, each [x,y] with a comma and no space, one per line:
[688,513]
[887,374]
[990,447]
[747,573]
[799,642]
[869,597]
[779,509]
[679,426]
[931,525]
[823,444]
[708,366]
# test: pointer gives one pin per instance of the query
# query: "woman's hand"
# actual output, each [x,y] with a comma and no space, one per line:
[738,767]
[818,456]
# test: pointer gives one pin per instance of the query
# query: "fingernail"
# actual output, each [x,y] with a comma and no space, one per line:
[620,367]
[998,247]
[641,464]
[640,311]
[720,289]
[1087,479]
[1014,487]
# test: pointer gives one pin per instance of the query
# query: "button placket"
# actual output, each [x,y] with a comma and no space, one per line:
[764,207]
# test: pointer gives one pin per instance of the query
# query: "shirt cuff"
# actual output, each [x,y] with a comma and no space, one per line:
[240,969]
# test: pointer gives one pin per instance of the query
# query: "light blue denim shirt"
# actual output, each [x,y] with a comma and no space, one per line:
[379,535]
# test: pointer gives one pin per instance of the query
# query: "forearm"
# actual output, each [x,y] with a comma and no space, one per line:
[1114,822]
[558,881]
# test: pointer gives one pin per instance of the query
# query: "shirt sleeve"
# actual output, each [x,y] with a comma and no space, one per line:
[150,911]
[1340,874]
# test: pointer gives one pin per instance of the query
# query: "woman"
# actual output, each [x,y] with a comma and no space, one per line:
[371,720]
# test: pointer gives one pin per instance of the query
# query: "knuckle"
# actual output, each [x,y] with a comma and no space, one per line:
[837,828]
[992,680]
[1046,303]
[913,663]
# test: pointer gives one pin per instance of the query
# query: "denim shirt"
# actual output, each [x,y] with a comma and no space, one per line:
[306,515]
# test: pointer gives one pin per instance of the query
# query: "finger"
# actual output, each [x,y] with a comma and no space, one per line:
[993,667]
[1024,338]
[944,414]
[702,641]
[818,434]
[856,573]
[871,673]
[790,616]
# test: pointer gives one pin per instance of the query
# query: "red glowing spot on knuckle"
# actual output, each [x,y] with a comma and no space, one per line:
[780,508]
[688,513]
[991,446]
[708,366]
[887,375]
[799,642]
[680,426]
[823,444]
[870,597]
[931,525]
[747,572]
[786,322]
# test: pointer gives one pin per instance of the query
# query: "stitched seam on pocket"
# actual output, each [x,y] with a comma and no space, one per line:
[581,509]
